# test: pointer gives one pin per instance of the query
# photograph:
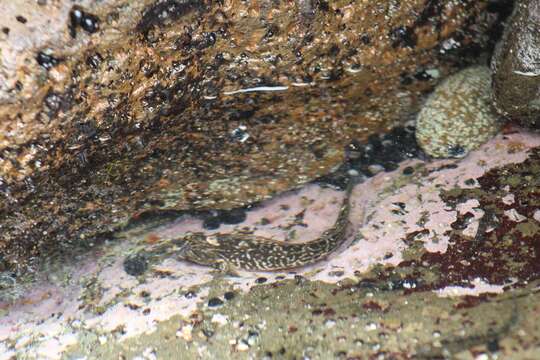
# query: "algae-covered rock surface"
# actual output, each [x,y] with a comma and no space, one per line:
[118,108]
[443,264]
[127,124]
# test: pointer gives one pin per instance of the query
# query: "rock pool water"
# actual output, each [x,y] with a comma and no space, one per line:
[441,265]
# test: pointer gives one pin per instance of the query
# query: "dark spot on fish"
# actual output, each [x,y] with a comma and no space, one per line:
[405,79]
[211,223]
[390,166]
[470,182]
[493,345]
[261,280]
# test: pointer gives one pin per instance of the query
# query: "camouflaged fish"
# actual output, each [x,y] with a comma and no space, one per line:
[249,252]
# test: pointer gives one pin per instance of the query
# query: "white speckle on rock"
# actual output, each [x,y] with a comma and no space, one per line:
[434,73]
[536,215]
[242,346]
[220,319]
[330,323]
[508,199]
[186,332]
[513,215]
[479,287]
[371,326]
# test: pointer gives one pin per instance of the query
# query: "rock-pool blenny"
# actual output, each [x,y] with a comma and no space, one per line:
[250,252]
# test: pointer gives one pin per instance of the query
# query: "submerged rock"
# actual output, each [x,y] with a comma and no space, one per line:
[516,66]
[181,105]
[457,117]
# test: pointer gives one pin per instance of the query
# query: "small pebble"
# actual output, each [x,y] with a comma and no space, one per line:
[252,337]
[375,169]
[214,302]
[135,265]
[233,216]
[242,346]
[536,215]
[211,223]
[470,182]
[371,326]
[409,170]
[46,60]
[185,333]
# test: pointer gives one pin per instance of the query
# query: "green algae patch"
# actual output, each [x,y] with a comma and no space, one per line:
[292,319]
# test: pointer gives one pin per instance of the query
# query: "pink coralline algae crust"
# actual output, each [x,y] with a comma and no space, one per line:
[506,248]
[438,206]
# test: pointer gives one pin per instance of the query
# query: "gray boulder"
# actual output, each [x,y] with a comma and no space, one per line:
[516,66]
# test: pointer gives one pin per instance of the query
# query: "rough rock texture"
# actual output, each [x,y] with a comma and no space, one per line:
[458,116]
[444,264]
[516,66]
[184,104]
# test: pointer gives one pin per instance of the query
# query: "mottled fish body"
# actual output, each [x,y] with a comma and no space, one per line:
[246,251]
[250,252]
